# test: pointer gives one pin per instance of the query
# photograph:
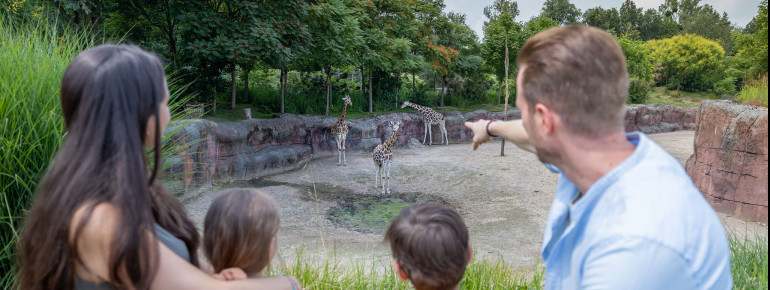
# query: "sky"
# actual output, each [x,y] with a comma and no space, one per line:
[739,12]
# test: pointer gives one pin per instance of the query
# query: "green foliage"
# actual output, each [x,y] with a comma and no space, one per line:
[639,64]
[707,22]
[31,126]
[656,26]
[752,47]
[606,19]
[631,17]
[688,59]
[638,91]
[748,259]
[562,12]
[725,87]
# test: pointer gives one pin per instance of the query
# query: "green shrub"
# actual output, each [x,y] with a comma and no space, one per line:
[725,87]
[638,91]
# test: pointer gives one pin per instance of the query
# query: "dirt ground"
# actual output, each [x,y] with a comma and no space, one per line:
[504,200]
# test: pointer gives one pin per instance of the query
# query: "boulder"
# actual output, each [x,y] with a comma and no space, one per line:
[729,163]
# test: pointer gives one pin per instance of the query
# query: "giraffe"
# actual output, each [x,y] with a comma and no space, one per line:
[340,131]
[383,157]
[429,118]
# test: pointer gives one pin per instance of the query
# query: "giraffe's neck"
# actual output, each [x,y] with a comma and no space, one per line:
[388,143]
[342,117]
[419,108]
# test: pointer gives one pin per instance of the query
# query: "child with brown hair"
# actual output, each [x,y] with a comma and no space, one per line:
[239,233]
[430,246]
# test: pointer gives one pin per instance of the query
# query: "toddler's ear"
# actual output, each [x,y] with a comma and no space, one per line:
[400,272]
[273,247]
[470,252]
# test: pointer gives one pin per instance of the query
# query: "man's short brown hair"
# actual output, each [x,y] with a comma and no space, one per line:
[430,244]
[579,72]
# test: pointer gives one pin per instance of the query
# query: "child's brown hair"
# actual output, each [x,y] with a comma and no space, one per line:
[239,229]
[430,244]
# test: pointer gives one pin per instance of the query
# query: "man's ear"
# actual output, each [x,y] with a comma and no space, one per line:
[400,271]
[544,118]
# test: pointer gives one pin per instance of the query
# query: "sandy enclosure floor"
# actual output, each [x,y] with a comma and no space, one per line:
[504,200]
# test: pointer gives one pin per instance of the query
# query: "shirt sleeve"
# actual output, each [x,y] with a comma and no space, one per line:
[634,263]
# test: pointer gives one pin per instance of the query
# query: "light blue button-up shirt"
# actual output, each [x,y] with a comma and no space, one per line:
[643,225]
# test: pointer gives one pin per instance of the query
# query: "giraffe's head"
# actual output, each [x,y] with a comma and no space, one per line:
[395,124]
[406,103]
[347,100]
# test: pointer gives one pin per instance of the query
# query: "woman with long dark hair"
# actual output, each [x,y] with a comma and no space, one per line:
[99,220]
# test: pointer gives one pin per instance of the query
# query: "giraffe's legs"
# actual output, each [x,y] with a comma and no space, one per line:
[443,131]
[376,176]
[425,125]
[344,160]
[339,150]
[382,174]
[388,172]
[430,135]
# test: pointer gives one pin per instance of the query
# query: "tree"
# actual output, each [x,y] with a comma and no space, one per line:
[683,55]
[453,34]
[630,17]
[388,27]
[163,15]
[499,7]
[751,48]
[640,68]
[336,35]
[82,14]
[655,26]
[562,12]
[707,22]
[606,19]
[224,34]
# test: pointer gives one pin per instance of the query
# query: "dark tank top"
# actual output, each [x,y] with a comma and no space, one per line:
[170,241]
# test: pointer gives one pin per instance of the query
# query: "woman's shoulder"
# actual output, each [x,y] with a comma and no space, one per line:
[92,230]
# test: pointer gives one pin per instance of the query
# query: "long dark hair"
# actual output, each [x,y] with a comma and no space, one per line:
[108,93]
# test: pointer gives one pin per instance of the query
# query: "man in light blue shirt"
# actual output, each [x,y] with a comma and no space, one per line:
[625,214]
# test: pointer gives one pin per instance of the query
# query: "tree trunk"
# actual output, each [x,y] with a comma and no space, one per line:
[499,91]
[505,108]
[214,104]
[370,92]
[328,88]
[246,87]
[232,94]
[443,89]
[361,77]
[397,97]
[283,89]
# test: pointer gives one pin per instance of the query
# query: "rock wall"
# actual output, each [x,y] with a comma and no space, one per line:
[729,164]
[240,150]
[658,118]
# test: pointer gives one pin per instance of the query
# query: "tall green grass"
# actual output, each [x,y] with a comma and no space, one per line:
[754,92]
[328,273]
[748,258]
[33,58]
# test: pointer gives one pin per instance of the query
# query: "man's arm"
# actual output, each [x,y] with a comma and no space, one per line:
[509,130]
